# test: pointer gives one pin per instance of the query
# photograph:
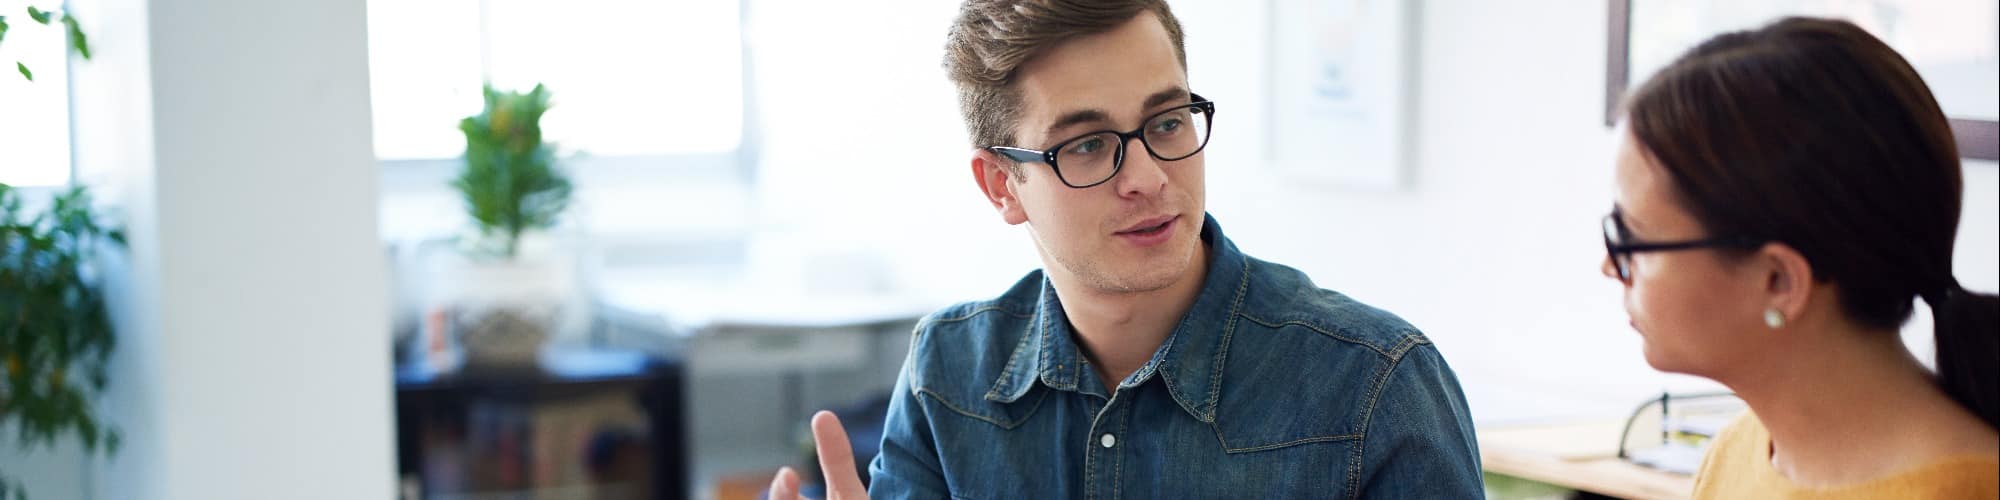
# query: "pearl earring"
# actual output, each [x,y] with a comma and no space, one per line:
[1774,319]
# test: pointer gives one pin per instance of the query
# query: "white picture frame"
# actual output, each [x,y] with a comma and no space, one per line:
[1341,109]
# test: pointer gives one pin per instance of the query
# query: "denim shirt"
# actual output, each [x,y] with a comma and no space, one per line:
[1268,387]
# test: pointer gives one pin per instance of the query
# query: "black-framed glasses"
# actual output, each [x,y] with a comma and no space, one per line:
[1618,244]
[1093,158]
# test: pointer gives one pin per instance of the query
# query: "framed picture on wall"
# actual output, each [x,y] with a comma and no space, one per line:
[1954,44]
[1340,91]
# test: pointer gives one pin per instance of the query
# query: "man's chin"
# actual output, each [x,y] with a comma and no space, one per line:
[1154,274]
[1133,286]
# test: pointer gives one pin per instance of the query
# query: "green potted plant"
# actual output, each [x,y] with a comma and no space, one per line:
[55,332]
[507,287]
[510,182]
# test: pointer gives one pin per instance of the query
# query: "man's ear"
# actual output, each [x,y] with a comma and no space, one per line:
[996,181]
[1788,279]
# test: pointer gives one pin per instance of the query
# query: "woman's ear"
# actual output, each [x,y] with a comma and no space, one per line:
[1788,280]
[995,176]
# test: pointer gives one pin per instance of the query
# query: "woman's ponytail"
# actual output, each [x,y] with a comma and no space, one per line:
[1968,349]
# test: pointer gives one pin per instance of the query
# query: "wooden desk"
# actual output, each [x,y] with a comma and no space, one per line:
[1578,455]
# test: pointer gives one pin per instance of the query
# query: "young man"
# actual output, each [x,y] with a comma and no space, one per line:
[1150,358]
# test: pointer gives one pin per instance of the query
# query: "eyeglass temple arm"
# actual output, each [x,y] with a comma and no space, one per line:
[1019,154]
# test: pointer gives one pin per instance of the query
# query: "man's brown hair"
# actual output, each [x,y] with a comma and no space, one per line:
[992,39]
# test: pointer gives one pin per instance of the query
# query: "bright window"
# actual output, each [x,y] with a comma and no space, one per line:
[34,116]
[627,78]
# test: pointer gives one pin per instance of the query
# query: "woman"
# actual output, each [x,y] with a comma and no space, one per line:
[1784,197]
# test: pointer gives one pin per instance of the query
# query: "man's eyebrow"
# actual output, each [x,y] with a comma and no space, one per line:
[1100,116]
[1166,96]
[1075,118]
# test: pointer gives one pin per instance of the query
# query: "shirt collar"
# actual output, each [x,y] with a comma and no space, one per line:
[1190,360]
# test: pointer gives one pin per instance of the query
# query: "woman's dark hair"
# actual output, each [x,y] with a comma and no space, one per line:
[1815,134]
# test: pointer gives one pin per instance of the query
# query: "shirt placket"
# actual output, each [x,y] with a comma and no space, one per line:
[1104,462]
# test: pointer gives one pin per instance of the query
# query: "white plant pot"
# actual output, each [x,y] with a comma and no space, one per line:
[501,311]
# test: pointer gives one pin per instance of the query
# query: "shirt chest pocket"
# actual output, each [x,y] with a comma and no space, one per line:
[1264,463]
[1280,444]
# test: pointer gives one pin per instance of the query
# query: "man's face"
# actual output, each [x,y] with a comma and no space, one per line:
[1139,231]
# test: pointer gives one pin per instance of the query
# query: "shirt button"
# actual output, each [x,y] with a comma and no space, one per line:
[1107,440]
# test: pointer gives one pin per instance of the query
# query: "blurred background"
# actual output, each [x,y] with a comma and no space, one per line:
[351,271]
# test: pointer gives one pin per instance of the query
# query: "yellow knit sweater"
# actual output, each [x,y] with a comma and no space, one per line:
[1738,465]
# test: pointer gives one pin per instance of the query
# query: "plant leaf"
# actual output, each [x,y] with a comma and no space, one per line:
[30,75]
[53,325]
[3,27]
[77,41]
[39,15]
[87,430]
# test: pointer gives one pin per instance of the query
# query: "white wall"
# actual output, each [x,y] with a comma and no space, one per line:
[865,151]
[116,88]
[253,358]
[57,472]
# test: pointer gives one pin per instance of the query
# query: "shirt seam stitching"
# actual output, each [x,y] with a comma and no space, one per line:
[1010,424]
[1007,373]
[1319,439]
[1386,353]
[982,310]
[1228,332]
[1377,387]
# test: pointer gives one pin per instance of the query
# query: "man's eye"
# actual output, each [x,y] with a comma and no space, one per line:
[1087,146]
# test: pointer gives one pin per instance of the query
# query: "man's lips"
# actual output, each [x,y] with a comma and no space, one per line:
[1148,224]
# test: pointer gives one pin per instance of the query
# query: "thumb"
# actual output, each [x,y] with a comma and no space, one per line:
[784,485]
[836,458]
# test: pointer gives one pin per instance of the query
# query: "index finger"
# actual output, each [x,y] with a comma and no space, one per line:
[836,457]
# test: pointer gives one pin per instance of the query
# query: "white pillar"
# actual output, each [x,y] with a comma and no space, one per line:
[253,357]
